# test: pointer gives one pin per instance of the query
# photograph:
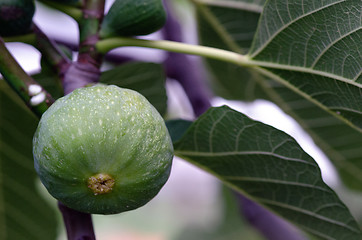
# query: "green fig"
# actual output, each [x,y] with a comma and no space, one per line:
[102,150]
[16,17]
[133,18]
[70,2]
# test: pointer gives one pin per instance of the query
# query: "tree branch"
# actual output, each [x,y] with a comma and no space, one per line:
[79,225]
[89,26]
[179,67]
[86,70]
[270,225]
[58,61]
[33,94]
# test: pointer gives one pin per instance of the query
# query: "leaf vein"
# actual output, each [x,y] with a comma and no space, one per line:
[307,212]
[277,181]
[290,23]
[331,44]
[232,153]
[212,130]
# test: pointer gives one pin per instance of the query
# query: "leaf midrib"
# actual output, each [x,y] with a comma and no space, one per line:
[276,181]
[302,70]
[233,153]
[286,206]
[275,77]
[306,212]
[340,160]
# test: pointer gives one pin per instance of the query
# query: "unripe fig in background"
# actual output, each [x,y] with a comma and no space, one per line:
[70,2]
[133,18]
[102,150]
[16,16]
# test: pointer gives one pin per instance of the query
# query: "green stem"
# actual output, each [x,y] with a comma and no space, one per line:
[71,11]
[50,51]
[86,70]
[93,11]
[37,99]
[106,45]
[27,38]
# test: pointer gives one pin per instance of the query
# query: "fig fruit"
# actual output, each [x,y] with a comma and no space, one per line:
[70,2]
[133,18]
[102,150]
[16,16]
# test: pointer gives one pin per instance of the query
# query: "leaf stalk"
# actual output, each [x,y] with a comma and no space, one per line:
[106,45]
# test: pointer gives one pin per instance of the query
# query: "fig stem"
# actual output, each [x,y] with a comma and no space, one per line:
[87,68]
[89,26]
[29,38]
[79,225]
[32,93]
[59,62]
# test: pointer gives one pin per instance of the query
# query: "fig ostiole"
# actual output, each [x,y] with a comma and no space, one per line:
[102,150]
[133,18]
[16,17]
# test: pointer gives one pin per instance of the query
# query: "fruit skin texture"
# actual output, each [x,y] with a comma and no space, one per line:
[102,131]
[133,18]
[15,16]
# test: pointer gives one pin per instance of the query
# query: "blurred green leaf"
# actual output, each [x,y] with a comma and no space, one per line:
[231,226]
[23,212]
[145,78]
[50,82]
[268,166]
[230,25]
[177,128]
